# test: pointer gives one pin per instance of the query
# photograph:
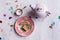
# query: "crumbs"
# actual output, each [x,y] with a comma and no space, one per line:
[10,18]
[4,14]
[1,30]
[50,27]
[52,24]
[0,21]
[58,17]
[0,38]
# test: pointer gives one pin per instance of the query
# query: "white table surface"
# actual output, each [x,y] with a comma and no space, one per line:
[41,31]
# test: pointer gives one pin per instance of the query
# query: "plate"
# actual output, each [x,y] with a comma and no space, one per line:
[24,26]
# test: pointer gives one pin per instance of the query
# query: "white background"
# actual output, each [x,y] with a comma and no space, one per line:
[41,31]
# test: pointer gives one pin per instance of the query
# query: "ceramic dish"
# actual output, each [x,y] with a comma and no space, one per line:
[24,26]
